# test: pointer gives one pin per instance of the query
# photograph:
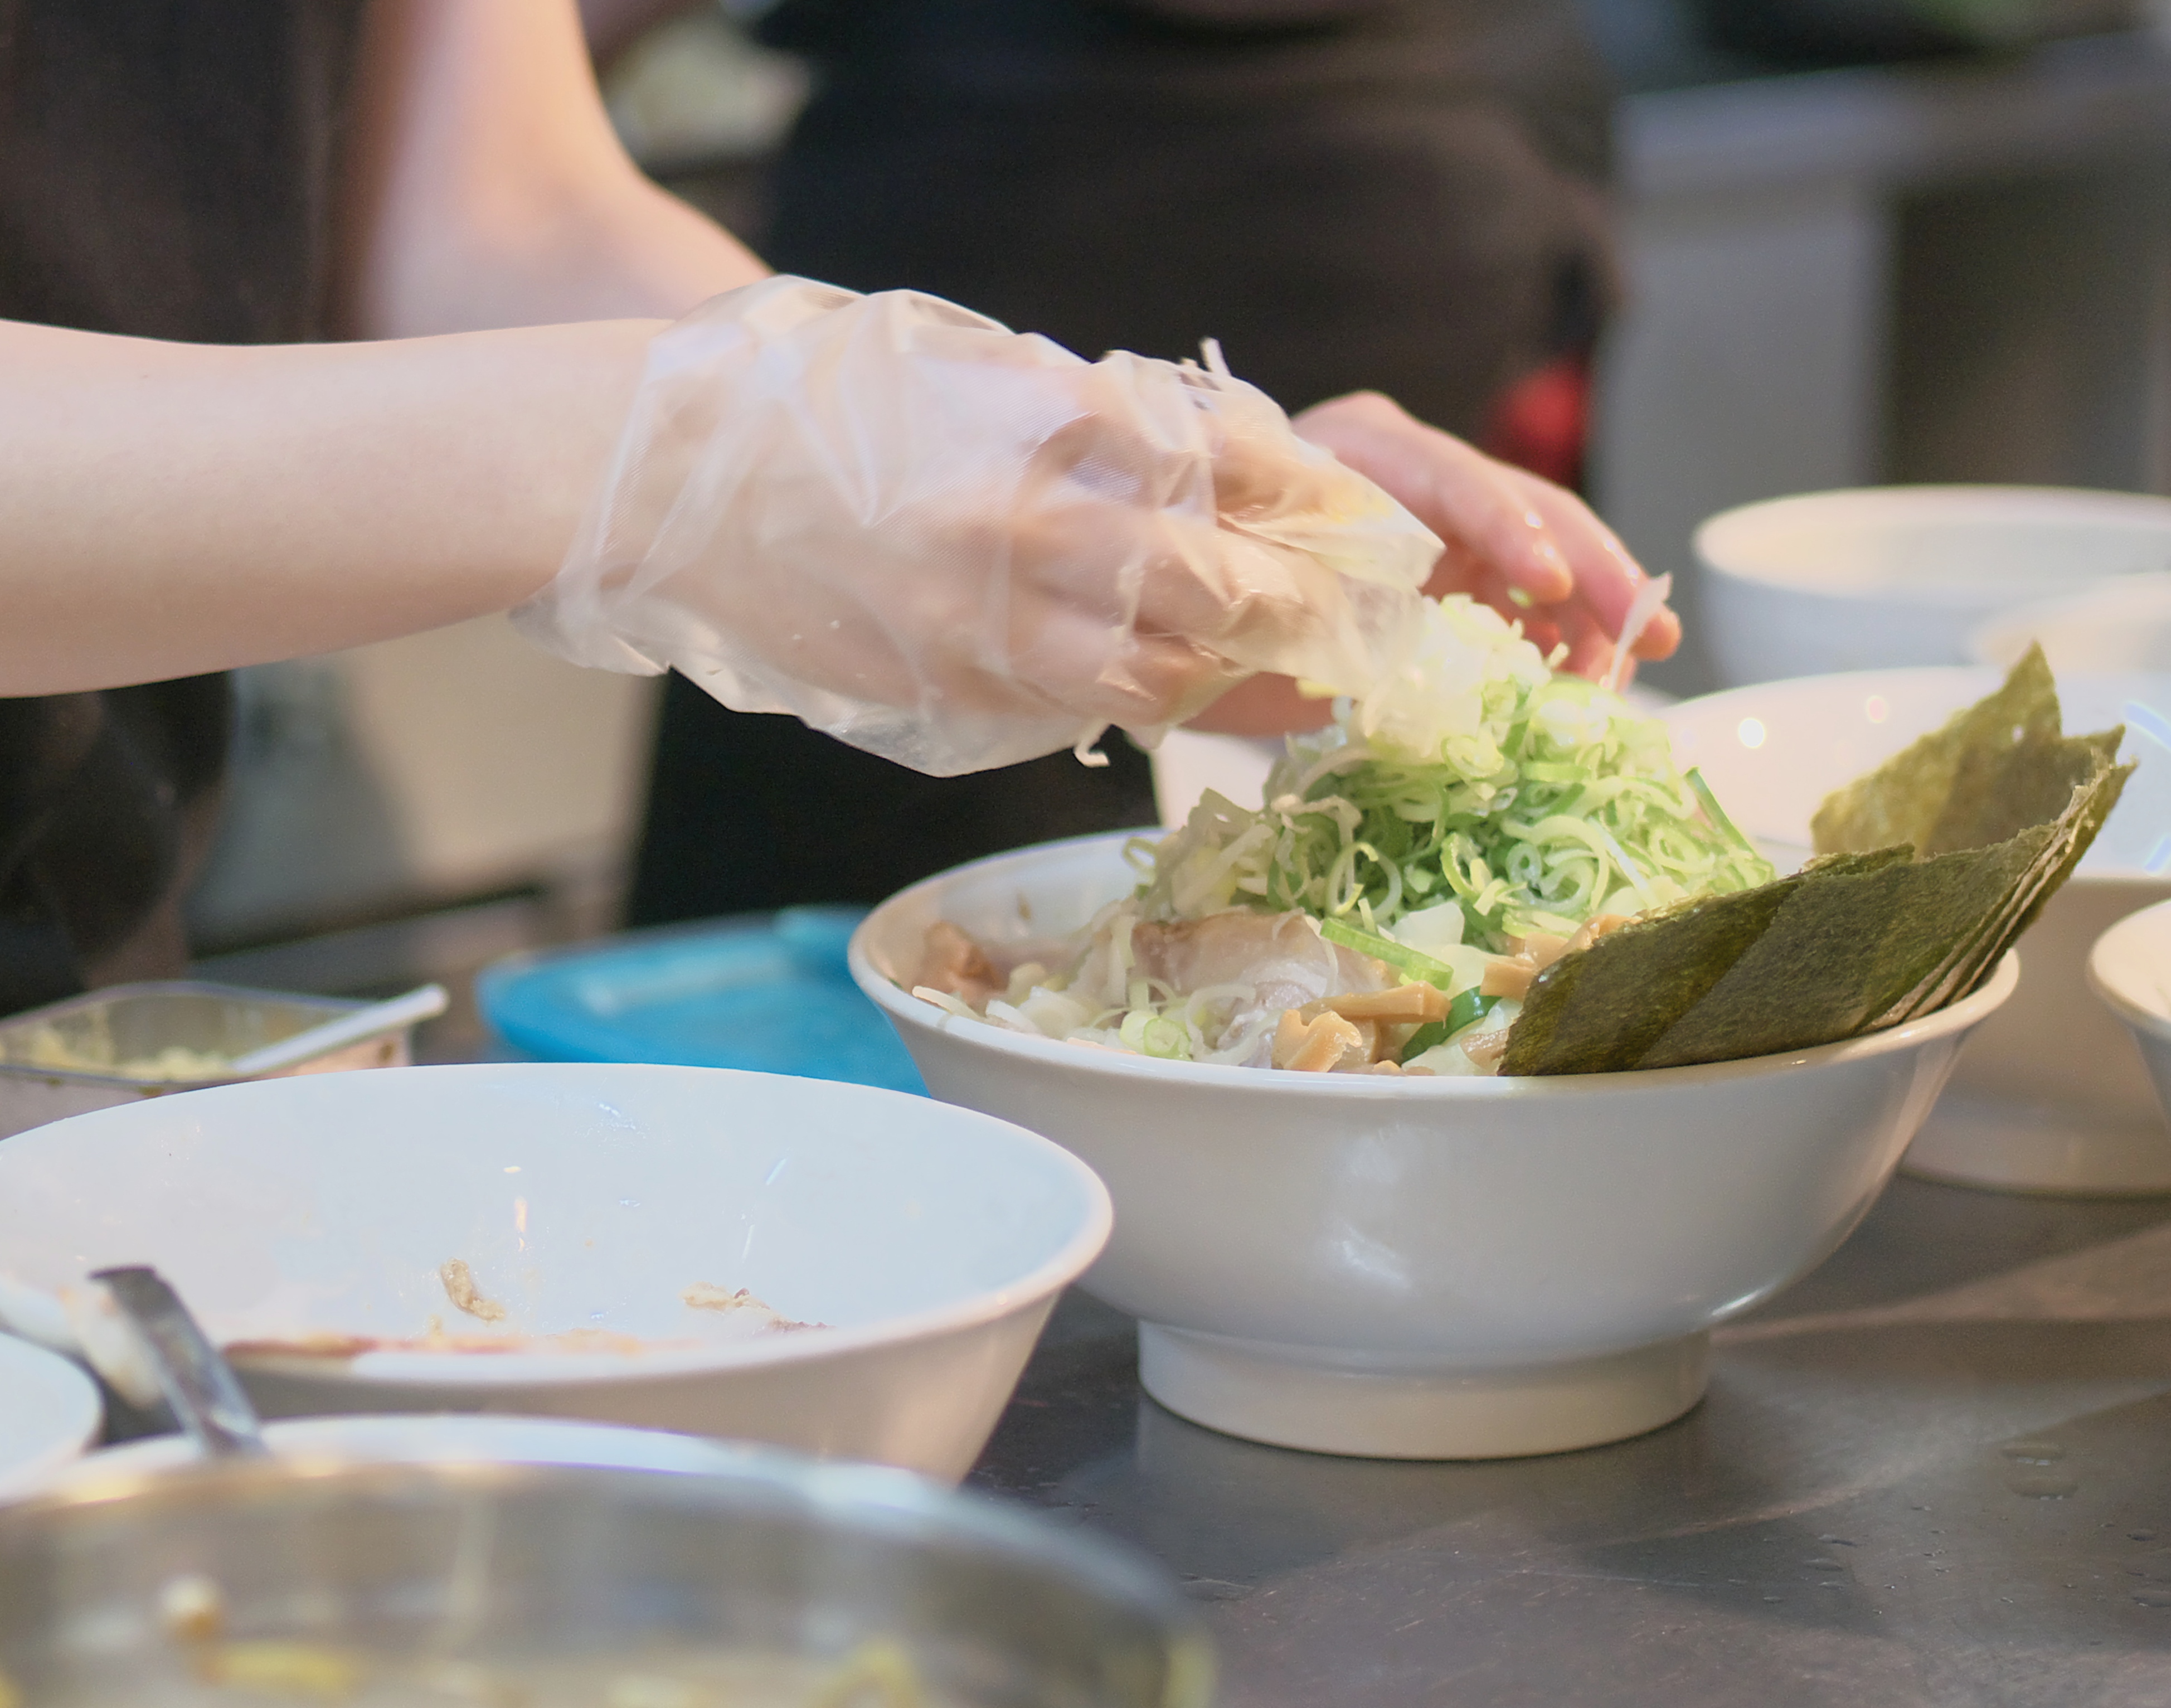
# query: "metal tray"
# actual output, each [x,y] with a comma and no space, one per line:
[136,1022]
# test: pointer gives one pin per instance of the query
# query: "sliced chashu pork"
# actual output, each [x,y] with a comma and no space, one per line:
[1281,955]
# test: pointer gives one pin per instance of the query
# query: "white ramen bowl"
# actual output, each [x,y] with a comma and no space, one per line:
[2130,969]
[2122,625]
[583,1197]
[2051,1095]
[1417,1268]
[1883,577]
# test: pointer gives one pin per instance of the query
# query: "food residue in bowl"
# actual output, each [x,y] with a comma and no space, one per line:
[742,1307]
[729,1313]
[461,1289]
[331,1344]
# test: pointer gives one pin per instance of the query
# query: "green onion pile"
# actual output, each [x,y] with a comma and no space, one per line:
[1475,778]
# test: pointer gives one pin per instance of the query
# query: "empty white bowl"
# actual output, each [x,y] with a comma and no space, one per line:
[2050,1095]
[583,1197]
[2130,969]
[1883,577]
[2122,624]
[1421,1268]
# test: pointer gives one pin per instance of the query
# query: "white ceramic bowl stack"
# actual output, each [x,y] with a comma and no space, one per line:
[1422,1268]
[1891,575]
[583,1197]
[2051,1095]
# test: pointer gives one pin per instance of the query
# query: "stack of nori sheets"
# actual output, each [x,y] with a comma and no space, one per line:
[1928,869]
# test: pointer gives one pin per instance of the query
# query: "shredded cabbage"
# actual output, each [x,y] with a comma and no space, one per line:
[1472,778]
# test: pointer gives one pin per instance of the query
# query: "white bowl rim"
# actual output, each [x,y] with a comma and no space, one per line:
[1908,675]
[2051,503]
[2142,1018]
[495,1370]
[904,1008]
[1719,541]
[2150,588]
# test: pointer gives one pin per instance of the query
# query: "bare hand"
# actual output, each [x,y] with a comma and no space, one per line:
[1506,533]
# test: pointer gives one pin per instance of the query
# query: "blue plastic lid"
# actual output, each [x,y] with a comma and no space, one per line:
[766,992]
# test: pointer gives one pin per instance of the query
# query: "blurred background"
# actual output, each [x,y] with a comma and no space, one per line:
[1857,241]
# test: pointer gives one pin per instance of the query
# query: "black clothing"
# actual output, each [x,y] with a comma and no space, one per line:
[166,170]
[1403,195]
[758,811]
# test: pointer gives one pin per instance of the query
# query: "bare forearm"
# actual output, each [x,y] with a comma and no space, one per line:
[168,508]
[485,188]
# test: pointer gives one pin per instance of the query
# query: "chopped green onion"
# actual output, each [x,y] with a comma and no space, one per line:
[1401,956]
[1465,1008]
[1715,812]
[1152,1034]
[1471,775]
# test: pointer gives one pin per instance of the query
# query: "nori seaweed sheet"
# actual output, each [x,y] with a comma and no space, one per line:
[1947,790]
[1869,934]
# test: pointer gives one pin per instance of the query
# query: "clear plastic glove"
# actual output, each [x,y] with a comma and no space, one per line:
[959,547]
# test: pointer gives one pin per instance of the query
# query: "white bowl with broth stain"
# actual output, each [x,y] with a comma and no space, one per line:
[1421,1268]
[586,1199]
[2051,1095]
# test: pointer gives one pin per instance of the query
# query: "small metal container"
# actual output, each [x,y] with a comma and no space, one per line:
[519,1581]
[40,1081]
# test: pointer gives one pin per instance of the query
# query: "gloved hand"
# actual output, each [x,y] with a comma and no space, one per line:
[959,547]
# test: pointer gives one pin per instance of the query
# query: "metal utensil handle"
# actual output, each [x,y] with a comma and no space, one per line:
[199,1384]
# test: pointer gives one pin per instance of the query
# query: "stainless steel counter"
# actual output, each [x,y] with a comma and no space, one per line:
[1937,1471]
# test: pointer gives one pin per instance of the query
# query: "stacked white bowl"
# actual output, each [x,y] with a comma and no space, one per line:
[1890,576]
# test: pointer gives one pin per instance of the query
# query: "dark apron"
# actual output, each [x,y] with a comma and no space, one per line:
[1407,199]
[166,171]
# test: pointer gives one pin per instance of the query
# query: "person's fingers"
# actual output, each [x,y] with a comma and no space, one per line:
[1262,705]
[1141,679]
[1456,490]
[1607,578]
[1590,642]
[1542,540]
[1255,477]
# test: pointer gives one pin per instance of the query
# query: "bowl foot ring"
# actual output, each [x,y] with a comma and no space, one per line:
[2005,1145]
[1297,1397]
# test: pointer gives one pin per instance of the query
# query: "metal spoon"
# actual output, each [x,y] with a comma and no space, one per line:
[199,1384]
